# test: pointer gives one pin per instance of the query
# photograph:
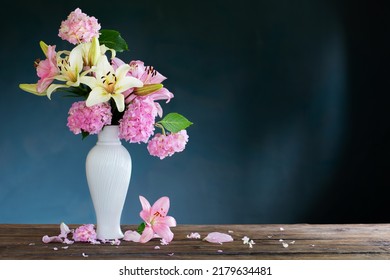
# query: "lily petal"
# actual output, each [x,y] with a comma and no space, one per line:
[161,206]
[145,203]
[170,221]
[54,87]
[96,96]
[126,83]
[119,101]
[147,234]
[131,235]
[163,231]
[218,237]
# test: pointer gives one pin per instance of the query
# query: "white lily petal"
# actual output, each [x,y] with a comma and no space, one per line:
[122,71]
[96,96]
[76,60]
[89,81]
[103,67]
[127,82]
[54,87]
[119,101]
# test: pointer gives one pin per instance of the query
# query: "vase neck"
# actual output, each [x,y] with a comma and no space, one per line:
[109,135]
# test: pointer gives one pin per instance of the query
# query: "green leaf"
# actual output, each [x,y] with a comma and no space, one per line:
[113,40]
[84,134]
[141,228]
[175,122]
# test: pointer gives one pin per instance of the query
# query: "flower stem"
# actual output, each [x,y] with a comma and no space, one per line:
[159,125]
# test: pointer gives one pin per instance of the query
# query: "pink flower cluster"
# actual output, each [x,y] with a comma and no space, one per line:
[166,145]
[88,119]
[79,28]
[85,233]
[137,124]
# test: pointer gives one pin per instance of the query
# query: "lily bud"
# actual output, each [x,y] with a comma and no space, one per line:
[44,47]
[147,89]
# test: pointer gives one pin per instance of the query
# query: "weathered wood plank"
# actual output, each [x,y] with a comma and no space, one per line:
[340,241]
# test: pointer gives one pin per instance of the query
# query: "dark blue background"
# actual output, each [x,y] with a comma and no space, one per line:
[289,101]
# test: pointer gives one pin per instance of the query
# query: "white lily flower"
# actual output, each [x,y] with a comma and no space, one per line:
[69,68]
[109,83]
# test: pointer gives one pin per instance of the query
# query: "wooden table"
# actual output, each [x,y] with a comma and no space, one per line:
[272,242]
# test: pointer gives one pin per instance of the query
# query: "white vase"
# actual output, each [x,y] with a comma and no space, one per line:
[108,169]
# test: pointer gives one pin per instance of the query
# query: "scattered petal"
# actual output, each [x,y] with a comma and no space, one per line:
[31,244]
[220,251]
[171,254]
[245,239]
[131,235]
[55,248]
[312,245]
[157,248]
[64,230]
[47,239]
[230,231]
[269,236]
[218,237]
[85,255]
[65,247]
[163,242]
[67,241]
[94,242]
[292,242]
[280,240]
[193,235]
[285,245]
[115,242]
[281,229]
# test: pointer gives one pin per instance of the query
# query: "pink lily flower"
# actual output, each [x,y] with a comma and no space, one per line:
[156,219]
[148,75]
[47,69]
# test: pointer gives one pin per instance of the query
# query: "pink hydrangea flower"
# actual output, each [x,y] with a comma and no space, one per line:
[85,233]
[88,119]
[47,69]
[79,28]
[137,124]
[166,145]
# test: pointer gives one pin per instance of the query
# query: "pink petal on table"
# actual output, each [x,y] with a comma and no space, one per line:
[131,235]
[156,247]
[67,241]
[64,230]
[47,239]
[218,237]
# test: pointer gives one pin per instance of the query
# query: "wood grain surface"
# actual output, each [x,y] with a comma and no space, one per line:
[272,242]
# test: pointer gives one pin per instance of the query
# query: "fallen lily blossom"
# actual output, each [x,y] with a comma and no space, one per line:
[218,237]
[193,235]
[156,219]
[132,235]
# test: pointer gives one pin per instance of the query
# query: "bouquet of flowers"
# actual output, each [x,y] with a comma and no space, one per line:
[112,92]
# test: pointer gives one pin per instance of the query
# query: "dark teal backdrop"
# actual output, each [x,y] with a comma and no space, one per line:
[289,101]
